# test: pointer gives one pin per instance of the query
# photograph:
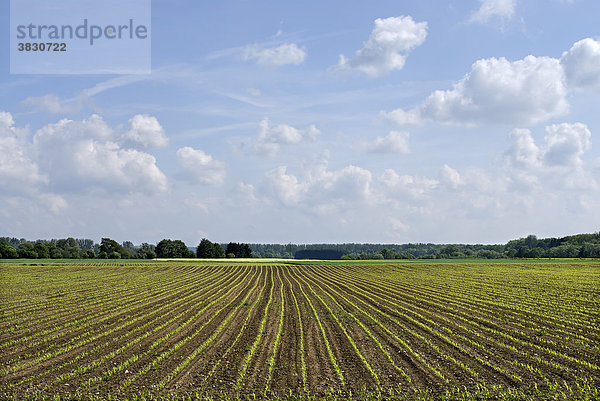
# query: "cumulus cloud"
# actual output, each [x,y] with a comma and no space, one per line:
[19,173]
[450,177]
[268,140]
[394,142]
[55,203]
[199,167]
[398,225]
[284,186]
[582,65]
[319,189]
[6,120]
[499,91]
[84,155]
[490,9]
[145,132]
[566,143]
[387,47]
[406,185]
[523,151]
[288,53]
[558,161]
[403,117]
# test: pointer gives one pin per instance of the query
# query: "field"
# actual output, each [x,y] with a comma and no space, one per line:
[402,330]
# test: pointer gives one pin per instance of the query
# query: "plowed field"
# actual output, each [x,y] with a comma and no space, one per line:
[409,330]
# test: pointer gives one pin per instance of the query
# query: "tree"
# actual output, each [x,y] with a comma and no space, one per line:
[218,250]
[87,254]
[42,250]
[7,251]
[110,247]
[388,254]
[207,249]
[146,251]
[531,241]
[69,248]
[173,249]
[26,250]
[239,250]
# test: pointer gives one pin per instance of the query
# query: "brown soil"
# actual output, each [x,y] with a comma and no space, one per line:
[461,336]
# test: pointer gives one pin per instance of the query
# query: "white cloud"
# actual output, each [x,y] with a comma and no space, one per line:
[6,120]
[566,143]
[83,155]
[523,151]
[398,225]
[582,65]
[406,185]
[320,190]
[19,173]
[51,103]
[394,142]
[381,54]
[200,168]
[402,117]
[556,163]
[145,132]
[489,9]
[268,140]
[55,203]
[284,54]
[246,192]
[450,177]
[284,186]
[499,91]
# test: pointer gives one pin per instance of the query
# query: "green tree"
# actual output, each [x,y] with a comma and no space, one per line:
[207,249]
[146,251]
[53,250]
[7,251]
[110,246]
[388,254]
[239,250]
[69,248]
[26,250]
[42,250]
[87,254]
[173,249]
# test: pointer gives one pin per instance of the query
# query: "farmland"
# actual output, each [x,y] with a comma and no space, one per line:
[401,330]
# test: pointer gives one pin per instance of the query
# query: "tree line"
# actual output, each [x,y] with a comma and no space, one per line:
[71,248]
[574,246]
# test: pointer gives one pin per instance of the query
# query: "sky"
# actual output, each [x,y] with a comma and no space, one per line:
[334,121]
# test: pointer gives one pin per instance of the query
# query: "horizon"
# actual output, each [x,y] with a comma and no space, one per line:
[450,122]
[305,243]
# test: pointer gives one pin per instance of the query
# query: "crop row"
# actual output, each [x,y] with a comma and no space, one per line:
[169,328]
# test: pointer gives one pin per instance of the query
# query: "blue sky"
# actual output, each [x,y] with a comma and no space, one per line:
[304,122]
